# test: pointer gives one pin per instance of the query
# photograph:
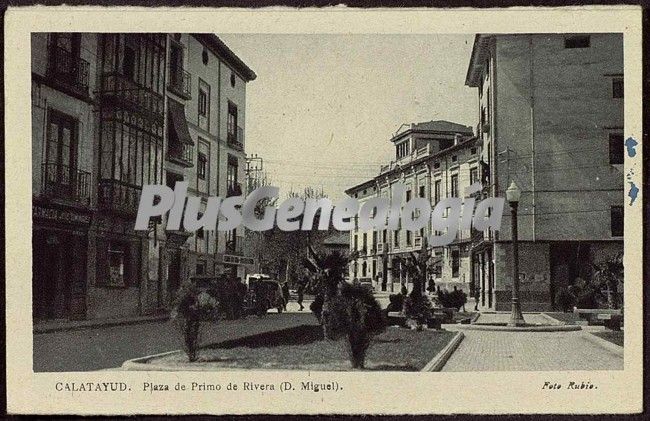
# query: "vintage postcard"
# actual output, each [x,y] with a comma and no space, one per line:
[323,211]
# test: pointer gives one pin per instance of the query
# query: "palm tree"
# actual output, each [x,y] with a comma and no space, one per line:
[608,274]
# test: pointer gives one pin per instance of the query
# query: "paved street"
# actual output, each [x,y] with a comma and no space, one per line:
[107,347]
[530,351]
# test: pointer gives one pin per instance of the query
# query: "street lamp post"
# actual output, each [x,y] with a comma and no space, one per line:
[513,195]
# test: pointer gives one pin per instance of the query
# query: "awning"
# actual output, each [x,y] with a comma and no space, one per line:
[178,122]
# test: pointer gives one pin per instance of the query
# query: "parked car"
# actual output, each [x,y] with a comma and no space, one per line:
[263,294]
[227,291]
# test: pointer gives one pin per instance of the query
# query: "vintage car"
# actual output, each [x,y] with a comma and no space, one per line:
[263,294]
[228,292]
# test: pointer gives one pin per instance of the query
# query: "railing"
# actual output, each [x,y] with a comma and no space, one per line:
[234,189]
[405,160]
[381,247]
[417,242]
[65,67]
[181,153]
[235,247]
[236,140]
[118,196]
[180,81]
[64,182]
[128,93]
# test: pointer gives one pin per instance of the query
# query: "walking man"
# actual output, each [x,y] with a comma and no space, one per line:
[301,292]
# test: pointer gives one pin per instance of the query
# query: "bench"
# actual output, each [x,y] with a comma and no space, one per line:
[611,318]
[396,318]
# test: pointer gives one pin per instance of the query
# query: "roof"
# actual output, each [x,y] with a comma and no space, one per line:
[340,238]
[464,143]
[221,50]
[360,186]
[477,60]
[435,126]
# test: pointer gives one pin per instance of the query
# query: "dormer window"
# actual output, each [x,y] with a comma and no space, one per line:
[402,149]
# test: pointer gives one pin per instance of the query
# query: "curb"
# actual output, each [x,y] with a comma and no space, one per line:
[607,345]
[141,364]
[548,328]
[98,324]
[443,356]
[553,319]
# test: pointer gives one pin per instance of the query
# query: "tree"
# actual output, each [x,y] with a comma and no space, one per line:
[344,310]
[417,306]
[608,274]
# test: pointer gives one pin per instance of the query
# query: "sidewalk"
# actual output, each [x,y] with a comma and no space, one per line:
[65,325]
[530,351]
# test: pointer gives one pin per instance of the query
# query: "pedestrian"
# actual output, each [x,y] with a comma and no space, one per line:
[477,295]
[285,294]
[301,292]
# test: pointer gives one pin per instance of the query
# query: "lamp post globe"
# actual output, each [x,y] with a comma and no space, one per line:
[513,194]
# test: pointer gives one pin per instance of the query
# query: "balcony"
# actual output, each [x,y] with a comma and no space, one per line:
[234,189]
[381,247]
[66,183]
[126,93]
[236,140]
[234,247]
[119,197]
[181,154]
[417,242]
[66,69]
[180,82]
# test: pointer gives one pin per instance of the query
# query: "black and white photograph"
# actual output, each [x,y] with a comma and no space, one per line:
[441,203]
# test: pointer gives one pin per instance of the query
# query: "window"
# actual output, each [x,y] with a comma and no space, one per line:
[436,191]
[384,236]
[408,195]
[356,243]
[116,265]
[473,151]
[396,238]
[617,221]
[454,185]
[365,242]
[364,269]
[436,165]
[455,263]
[454,158]
[617,88]
[200,267]
[374,239]
[204,56]
[203,103]
[202,166]
[577,41]
[473,175]
[232,121]
[231,174]
[422,191]
[409,238]
[128,66]
[446,143]
[233,79]
[616,148]
[60,159]
[176,62]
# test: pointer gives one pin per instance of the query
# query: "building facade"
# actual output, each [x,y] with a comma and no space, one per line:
[434,160]
[551,120]
[111,113]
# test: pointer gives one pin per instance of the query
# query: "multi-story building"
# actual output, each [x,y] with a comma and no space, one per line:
[206,96]
[434,160]
[551,120]
[109,116]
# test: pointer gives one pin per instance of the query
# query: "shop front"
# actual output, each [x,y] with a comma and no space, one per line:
[59,261]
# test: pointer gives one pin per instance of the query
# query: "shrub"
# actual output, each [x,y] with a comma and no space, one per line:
[192,306]
[353,314]
[396,302]
[454,299]
[417,307]
[565,300]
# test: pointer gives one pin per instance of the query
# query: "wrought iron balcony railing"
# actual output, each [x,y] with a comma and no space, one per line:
[234,189]
[180,82]
[63,182]
[127,93]
[66,68]
[181,153]
[118,196]
[236,140]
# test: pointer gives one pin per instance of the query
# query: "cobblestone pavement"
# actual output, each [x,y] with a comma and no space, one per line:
[530,351]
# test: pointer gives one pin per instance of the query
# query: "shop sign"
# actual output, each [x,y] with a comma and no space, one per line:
[237,260]
[60,215]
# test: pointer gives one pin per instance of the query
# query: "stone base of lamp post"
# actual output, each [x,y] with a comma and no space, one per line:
[516,317]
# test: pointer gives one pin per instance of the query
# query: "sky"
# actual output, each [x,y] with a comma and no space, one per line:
[324,107]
